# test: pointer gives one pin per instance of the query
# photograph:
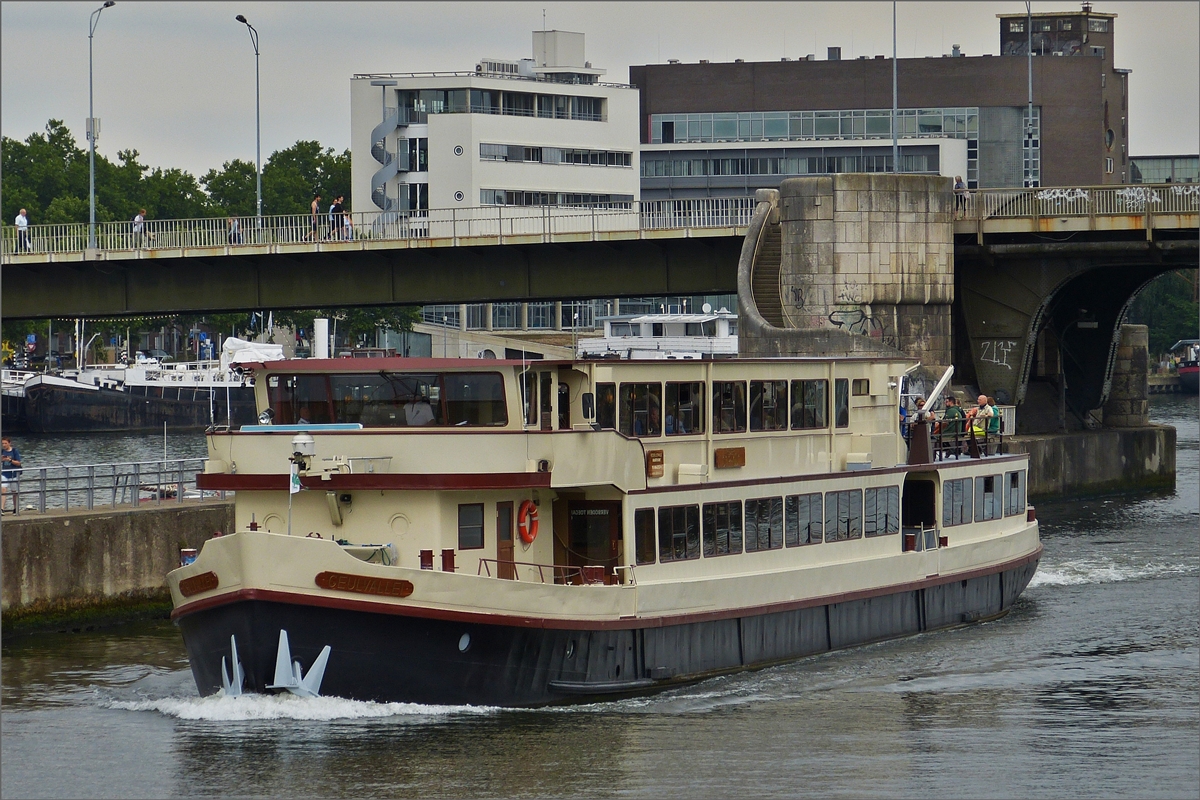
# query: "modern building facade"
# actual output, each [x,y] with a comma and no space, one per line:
[1164,169]
[727,128]
[541,131]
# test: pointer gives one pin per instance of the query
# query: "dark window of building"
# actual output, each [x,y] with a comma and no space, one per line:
[843,515]
[1098,25]
[810,402]
[470,526]
[768,406]
[685,408]
[841,402]
[956,502]
[802,519]
[643,535]
[641,409]
[678,533]
[764,524]
[987,499]
[606,405]
[1014,493]
[722,528]
[881,511]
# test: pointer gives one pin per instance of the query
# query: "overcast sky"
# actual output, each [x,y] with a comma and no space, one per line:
[176,80]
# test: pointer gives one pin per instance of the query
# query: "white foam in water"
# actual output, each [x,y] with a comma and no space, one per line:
[1074,573]
[247,707]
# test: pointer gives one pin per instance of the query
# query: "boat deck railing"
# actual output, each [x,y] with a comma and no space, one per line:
[559,573]
[67,487]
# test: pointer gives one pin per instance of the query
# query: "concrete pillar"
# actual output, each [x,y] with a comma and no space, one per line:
[488,319]
[524,316]
[462,317]
[558,315]
[1127,405]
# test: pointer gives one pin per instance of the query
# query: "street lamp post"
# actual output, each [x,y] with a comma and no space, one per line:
[895,142]
[257,121]
[1029,76]
[92,130]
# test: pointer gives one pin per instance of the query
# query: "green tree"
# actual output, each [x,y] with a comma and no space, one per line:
[292,176]
[354,325]
[1168,307]
[232,189]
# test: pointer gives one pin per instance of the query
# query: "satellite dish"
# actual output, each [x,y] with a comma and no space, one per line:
[706,308]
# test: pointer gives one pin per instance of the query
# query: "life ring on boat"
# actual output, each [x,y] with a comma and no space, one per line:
[527,522]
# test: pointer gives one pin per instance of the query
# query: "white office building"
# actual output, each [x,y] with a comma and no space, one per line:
[532,133]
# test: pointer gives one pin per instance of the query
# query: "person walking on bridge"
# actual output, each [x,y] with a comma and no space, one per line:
[314,216]
[22,223]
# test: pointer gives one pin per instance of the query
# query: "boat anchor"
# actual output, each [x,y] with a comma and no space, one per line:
[288,674]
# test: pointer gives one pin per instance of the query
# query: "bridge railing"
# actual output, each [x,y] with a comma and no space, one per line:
[478,222]
[64,487]
[1086,201]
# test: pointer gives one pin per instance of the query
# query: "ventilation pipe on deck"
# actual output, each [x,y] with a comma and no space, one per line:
[320,338]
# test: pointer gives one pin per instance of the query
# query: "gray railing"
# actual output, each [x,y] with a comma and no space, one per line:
[1085,201]
[489,224]
[90,486]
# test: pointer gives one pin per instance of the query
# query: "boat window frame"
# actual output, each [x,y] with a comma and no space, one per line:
[758,515]
[627,423]
[780,408]
[736,406]
[644,540]
[799,402]
[606,405]
[833,503]
[712,532]
[697,412]
[668,540]
[890,511]
[482,526]
[792,524]
[1014,495]
[841,402]
[958,502]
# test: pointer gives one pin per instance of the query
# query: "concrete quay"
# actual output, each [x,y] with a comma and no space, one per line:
[1104,461]
[81,569]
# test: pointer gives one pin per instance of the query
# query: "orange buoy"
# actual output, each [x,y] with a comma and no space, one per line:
[527,522]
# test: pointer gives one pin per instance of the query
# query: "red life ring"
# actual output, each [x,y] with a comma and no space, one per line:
[527,522]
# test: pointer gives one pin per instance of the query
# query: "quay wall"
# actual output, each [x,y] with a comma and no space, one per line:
[80,569]
[1101,461]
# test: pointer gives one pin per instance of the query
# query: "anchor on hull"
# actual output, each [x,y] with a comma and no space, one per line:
[289,674]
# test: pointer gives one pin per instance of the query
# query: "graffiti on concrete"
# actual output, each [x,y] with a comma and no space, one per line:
[1135,198]
[850,293]
[996,351]
[858,321]
[1191,190]
[798,299]
[1062,198]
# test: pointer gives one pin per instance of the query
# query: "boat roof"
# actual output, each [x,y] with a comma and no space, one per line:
[477,364]
[670,317]
[1185,343]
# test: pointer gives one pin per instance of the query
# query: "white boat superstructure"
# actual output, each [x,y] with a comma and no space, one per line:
[665,336]
[523,533]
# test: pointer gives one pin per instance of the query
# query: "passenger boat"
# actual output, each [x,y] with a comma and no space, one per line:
[514,533]
[1189,364]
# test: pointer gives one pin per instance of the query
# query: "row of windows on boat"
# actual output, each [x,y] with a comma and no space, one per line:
[686,532]
[643,409]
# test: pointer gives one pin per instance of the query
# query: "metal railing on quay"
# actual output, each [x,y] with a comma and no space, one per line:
[477,222]
[89,486]
[1086,201]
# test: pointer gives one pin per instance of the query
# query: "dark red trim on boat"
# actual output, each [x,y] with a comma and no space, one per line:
[381,481]
[483,618]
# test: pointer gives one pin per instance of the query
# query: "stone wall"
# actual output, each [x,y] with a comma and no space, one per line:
[88,567]
[1098,462]
[1128,405]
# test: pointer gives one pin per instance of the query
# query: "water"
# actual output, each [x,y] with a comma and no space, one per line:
[1090,687]
[47,450]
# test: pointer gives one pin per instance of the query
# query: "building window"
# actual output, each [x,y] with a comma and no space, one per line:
[802,519]
[643,535]
[843,515]
[987,499]
[1098,25]
[470,526]
[1064,24]
[841,402]
[678,533]
[606,405]
[641,409]
[729,406]
[881,512]
[764,524]
[1108,165]
[1014,493]
[1016,26]
[722,528]
[540,316]
[956,502]
[768,406]
[685,408]
[810,402]
[862,387]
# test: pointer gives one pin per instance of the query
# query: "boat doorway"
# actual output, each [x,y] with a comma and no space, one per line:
[593,540]
[505,568]
[918,512]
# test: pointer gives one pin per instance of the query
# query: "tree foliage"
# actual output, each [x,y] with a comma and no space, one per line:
[1168,307]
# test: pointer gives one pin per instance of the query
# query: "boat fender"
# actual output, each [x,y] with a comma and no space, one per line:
[527,522]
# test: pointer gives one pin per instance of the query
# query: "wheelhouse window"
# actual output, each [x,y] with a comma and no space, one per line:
[841,402]
[722,528]
[810,404]
[643,535]
[641,409]
[1014,493]
[843,515]
[987,498]
[768,406]
[606,405]
[764,524]
[881,511]
[678,533]
[389,399]
[685,408]
[956,502]
[862,387]
[470,526]
[729,406]
[802,519]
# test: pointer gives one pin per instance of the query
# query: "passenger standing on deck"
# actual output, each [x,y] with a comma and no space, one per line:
[22,223]
[10,471]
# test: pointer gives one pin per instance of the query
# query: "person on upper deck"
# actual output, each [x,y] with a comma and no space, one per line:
[979,415]
[417,411]
[952,418]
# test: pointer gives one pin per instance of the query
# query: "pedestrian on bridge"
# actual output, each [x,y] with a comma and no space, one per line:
[139,228]
[960,197]
[22,223]
[315,216]
[10,471]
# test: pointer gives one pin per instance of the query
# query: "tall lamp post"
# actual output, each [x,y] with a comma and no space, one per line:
[1029,76]
[257,120]
[895,143]
[93,130]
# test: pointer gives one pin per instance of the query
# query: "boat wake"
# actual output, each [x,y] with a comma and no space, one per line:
[251,707]
[1087,571]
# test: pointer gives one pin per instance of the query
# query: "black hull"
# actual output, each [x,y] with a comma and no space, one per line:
[391,658]
[62,409]
[1189,379]
[12,414]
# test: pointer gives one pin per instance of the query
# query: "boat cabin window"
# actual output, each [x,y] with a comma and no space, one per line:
[685,408]
[764,524]
[843,515]
[1014,493]
[706,328]
[810,404]
[841,402]
[802,519]
[606,405]
[389,399]
[729,406]
[881,511]
[678,533]
[643,535]
[546,391]
[529,394]
[768,406]
[862,387]
[470,526]
[956,502]
[641,409]
[657,329]
[987,498]
[722,528]
[624,329]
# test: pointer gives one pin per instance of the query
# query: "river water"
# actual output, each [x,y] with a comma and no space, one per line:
[1089,687]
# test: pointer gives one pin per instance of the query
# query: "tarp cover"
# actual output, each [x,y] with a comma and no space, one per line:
[237,351]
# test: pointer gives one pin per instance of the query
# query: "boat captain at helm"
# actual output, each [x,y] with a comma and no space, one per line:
[417,411]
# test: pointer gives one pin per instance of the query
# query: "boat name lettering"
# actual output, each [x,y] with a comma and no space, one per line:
[204,582]
[728,457]
[384,587]
[654,463]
